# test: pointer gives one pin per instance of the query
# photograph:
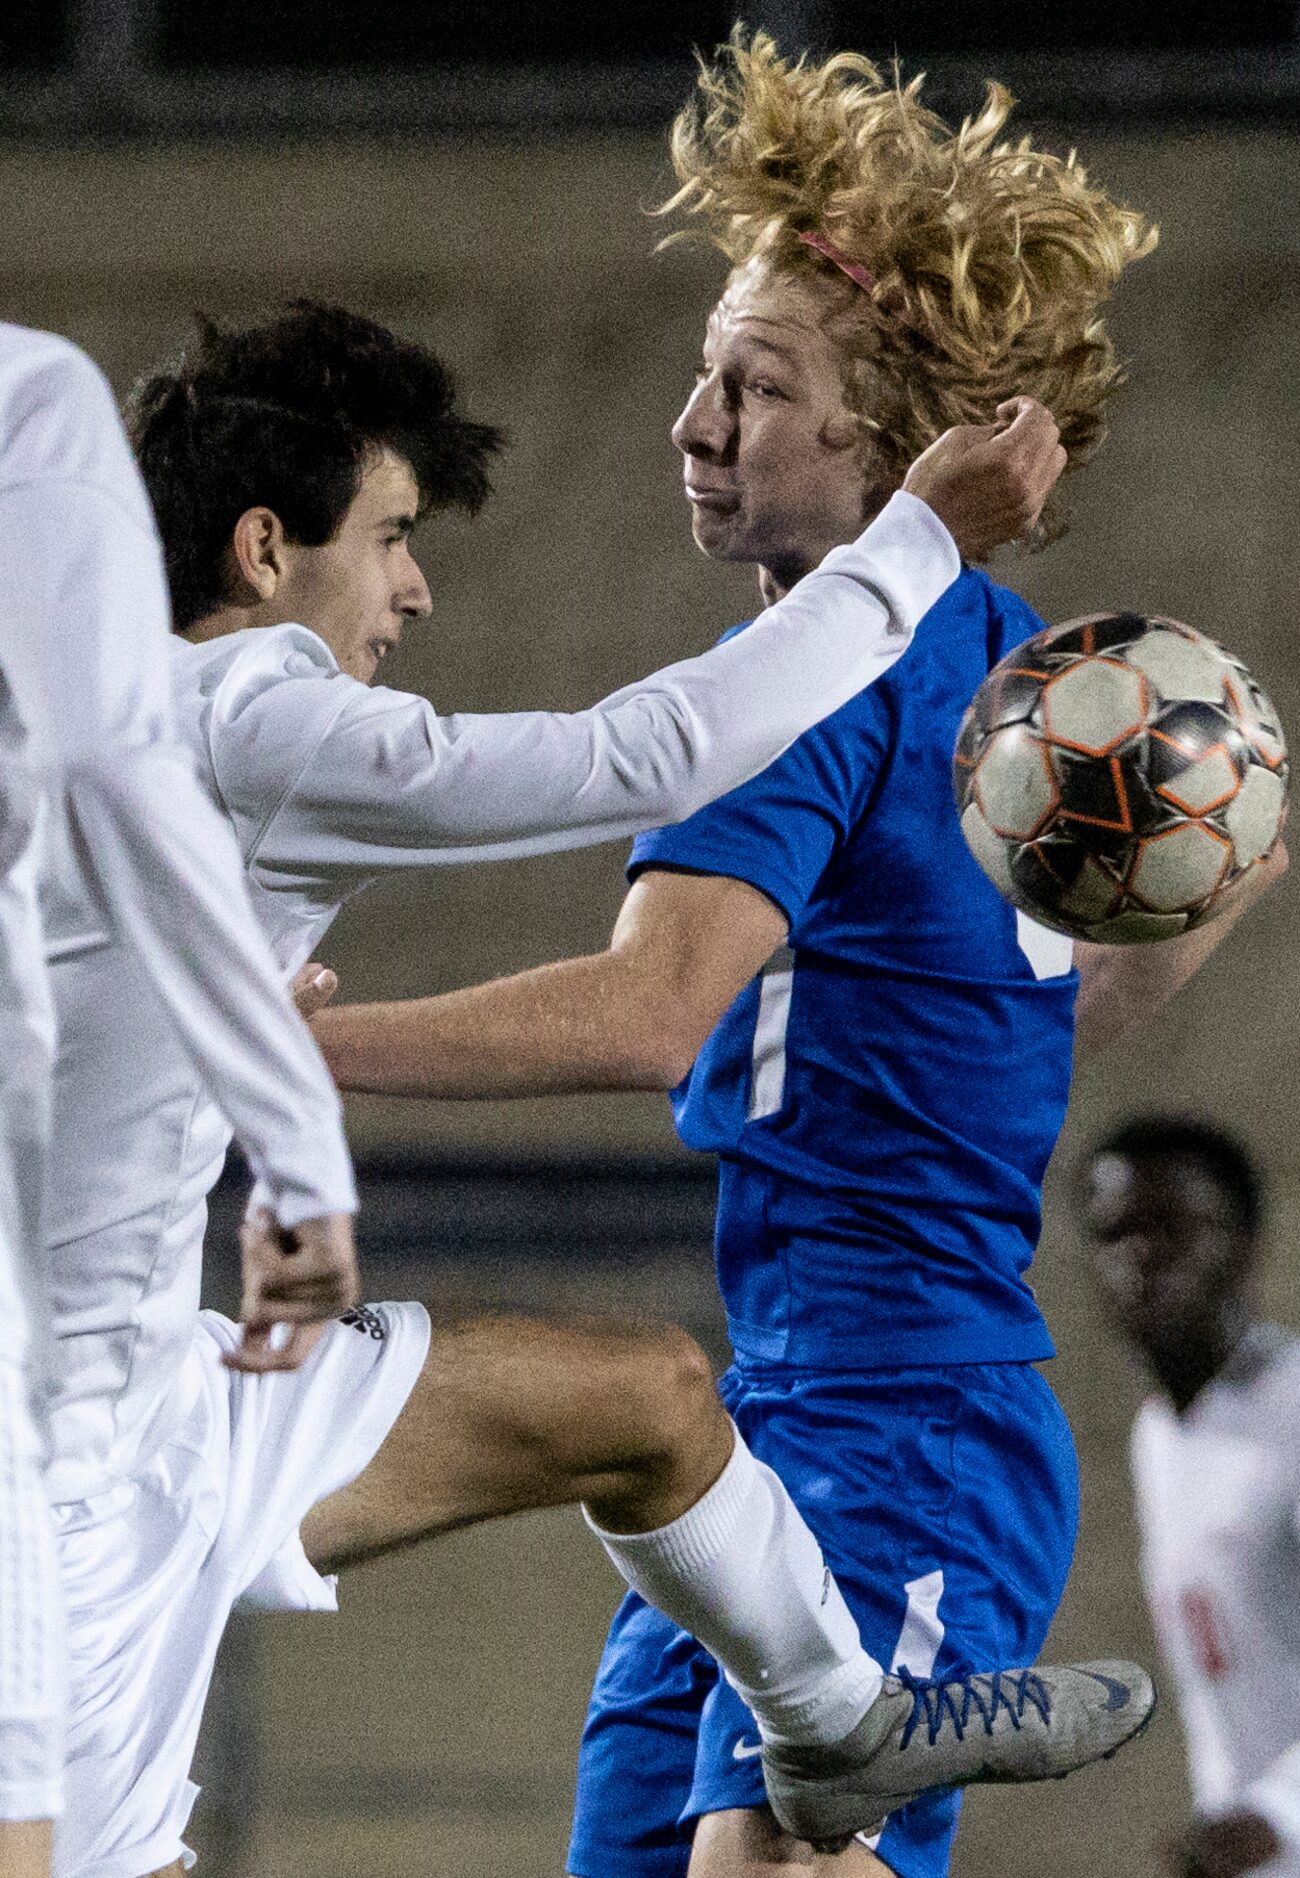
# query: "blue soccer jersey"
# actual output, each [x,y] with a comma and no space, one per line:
[885,1096]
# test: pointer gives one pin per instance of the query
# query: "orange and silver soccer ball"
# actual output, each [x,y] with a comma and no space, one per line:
[1118,776]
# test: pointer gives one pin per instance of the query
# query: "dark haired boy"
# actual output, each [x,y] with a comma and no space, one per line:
[1172,1209]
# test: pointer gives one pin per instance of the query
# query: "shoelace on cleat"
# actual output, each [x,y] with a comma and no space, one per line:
[962,1699]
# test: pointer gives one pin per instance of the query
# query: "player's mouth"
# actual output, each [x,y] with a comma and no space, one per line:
[379,650]
[717,501]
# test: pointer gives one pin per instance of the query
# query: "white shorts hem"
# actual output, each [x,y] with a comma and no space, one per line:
[21,1804]
[139,1860]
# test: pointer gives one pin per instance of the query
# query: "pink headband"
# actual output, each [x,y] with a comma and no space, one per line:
[855,271]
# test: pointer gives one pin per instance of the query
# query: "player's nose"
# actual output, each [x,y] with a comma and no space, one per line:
[413,599]
[703,427]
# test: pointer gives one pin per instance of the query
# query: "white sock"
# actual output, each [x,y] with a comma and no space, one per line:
[741,1571]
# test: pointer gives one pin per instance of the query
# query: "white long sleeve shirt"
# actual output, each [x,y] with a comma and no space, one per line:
[140,880]
[1218,1501]
[327,784]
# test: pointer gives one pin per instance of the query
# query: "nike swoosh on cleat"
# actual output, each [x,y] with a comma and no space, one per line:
[1118,1695]
[743,1752]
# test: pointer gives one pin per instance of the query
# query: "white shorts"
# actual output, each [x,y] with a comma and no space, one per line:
[153,1568]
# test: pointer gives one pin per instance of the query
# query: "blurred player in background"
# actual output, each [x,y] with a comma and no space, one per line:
[874,1043]
[288,465]
[1172,1211]
[102,818]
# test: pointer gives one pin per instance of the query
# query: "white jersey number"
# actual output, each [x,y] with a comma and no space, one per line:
[1050,954]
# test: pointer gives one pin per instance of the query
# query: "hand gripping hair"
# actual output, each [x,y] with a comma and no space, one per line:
[954,270]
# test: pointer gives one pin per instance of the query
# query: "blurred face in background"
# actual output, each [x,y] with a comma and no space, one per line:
[772,455]
[1170,1257]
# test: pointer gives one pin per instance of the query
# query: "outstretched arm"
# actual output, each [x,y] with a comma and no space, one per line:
[1121,988]
[378,780]
[631,1017]
[636,1015]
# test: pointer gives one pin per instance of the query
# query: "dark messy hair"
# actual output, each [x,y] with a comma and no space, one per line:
[287,414]
[1153,1139]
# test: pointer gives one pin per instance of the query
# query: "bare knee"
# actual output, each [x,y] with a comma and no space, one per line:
[670,1389]
[512,1413]
[748,1843]
[665,1436]
[589,1395]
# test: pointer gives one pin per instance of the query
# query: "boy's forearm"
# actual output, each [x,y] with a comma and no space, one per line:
[1123,987]
[560,1029]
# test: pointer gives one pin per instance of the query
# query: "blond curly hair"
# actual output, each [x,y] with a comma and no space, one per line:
[990,260]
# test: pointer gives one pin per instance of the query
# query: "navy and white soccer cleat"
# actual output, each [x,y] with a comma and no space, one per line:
[1011,1724]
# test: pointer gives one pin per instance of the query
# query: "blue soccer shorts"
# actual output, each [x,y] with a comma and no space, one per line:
[946,1502]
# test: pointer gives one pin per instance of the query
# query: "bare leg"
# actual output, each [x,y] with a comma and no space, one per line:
[25,1848]
[510,1413]
[748,1843]
[176,1870]
[226,1765]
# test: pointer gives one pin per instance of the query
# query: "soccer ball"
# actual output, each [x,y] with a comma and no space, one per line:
[1116,777]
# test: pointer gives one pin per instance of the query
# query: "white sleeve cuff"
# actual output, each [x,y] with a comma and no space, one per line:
[906,555]
[1276,1797]
[315,1179]
[324,1183]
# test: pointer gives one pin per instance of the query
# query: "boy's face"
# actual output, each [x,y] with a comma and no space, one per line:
[1169,1256]
[772,459]
[358,589]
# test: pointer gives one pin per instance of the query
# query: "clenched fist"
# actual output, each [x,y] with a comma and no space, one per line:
[312,987]
[297,1277]
[987,483]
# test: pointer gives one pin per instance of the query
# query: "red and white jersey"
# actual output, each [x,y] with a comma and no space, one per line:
[1218,1500]
[327,784]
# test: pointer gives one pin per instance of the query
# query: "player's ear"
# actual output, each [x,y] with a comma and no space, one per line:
[257,550]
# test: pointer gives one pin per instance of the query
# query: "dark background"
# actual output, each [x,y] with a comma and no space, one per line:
[238,34]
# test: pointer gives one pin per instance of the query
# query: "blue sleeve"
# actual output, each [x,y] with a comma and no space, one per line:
[779,832]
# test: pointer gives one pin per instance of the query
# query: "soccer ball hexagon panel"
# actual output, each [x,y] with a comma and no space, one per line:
[1118,776]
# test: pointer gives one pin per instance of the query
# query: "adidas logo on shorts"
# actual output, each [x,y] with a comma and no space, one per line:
[365,1320]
